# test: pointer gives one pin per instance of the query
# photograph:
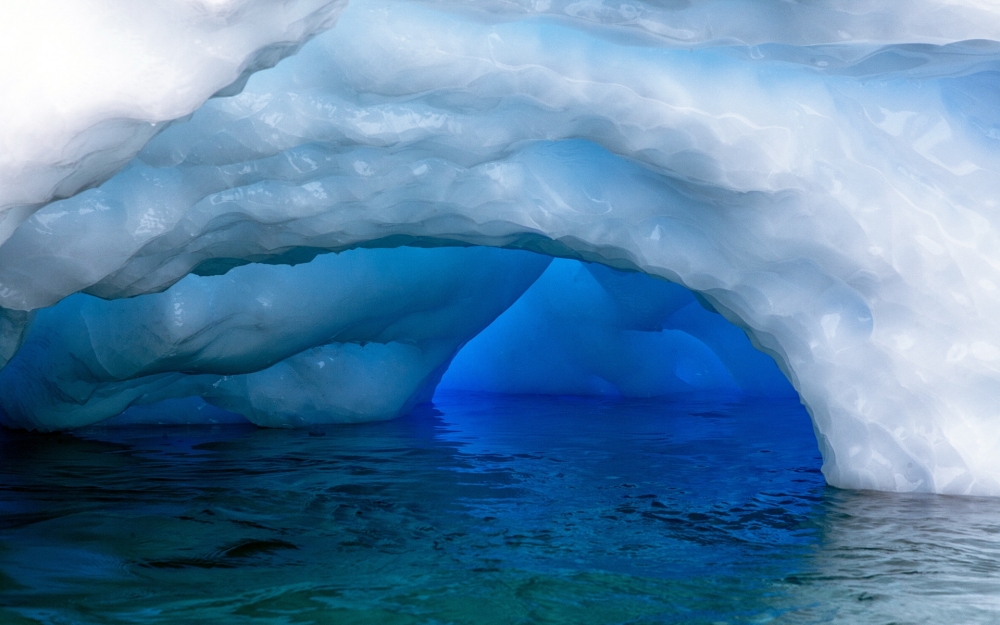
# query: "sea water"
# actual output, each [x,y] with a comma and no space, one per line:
[481,509]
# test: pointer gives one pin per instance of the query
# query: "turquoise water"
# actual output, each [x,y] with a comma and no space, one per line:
[483,509]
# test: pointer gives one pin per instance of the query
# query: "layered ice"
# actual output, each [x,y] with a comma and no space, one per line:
[821,175]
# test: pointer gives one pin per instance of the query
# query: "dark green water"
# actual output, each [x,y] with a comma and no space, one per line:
[483,510]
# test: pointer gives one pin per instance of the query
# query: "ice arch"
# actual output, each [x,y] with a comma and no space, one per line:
[829,187]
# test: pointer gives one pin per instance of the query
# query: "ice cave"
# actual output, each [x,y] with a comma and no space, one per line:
[299,213]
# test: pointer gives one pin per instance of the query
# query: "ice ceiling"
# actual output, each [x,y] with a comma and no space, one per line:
[824,175]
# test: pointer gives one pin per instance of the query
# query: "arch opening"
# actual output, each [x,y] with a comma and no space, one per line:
[370,333]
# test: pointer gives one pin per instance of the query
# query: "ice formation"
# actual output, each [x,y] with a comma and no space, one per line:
[822,174]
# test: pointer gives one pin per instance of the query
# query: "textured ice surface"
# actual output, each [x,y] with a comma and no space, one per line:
[823,174]
[86,83]
[584,329]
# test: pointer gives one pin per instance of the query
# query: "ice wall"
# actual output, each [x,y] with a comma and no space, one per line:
[823,174]
[361,335]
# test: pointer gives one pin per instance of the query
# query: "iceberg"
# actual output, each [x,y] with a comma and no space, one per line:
[822,176]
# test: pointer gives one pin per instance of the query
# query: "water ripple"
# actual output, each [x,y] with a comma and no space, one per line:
[481,510]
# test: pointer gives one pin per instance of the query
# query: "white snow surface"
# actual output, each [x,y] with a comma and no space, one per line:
[824,174]
[86,83]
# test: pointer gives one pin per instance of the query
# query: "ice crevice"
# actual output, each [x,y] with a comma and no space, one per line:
[822,177]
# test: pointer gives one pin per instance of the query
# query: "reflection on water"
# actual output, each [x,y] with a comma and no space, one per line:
[484,510]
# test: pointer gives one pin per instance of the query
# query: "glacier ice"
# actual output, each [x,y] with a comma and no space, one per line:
[822,174]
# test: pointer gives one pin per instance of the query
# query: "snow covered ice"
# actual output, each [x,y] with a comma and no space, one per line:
[824,176]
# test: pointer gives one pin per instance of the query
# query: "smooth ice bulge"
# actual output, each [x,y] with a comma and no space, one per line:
[357,336]
[823,176]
